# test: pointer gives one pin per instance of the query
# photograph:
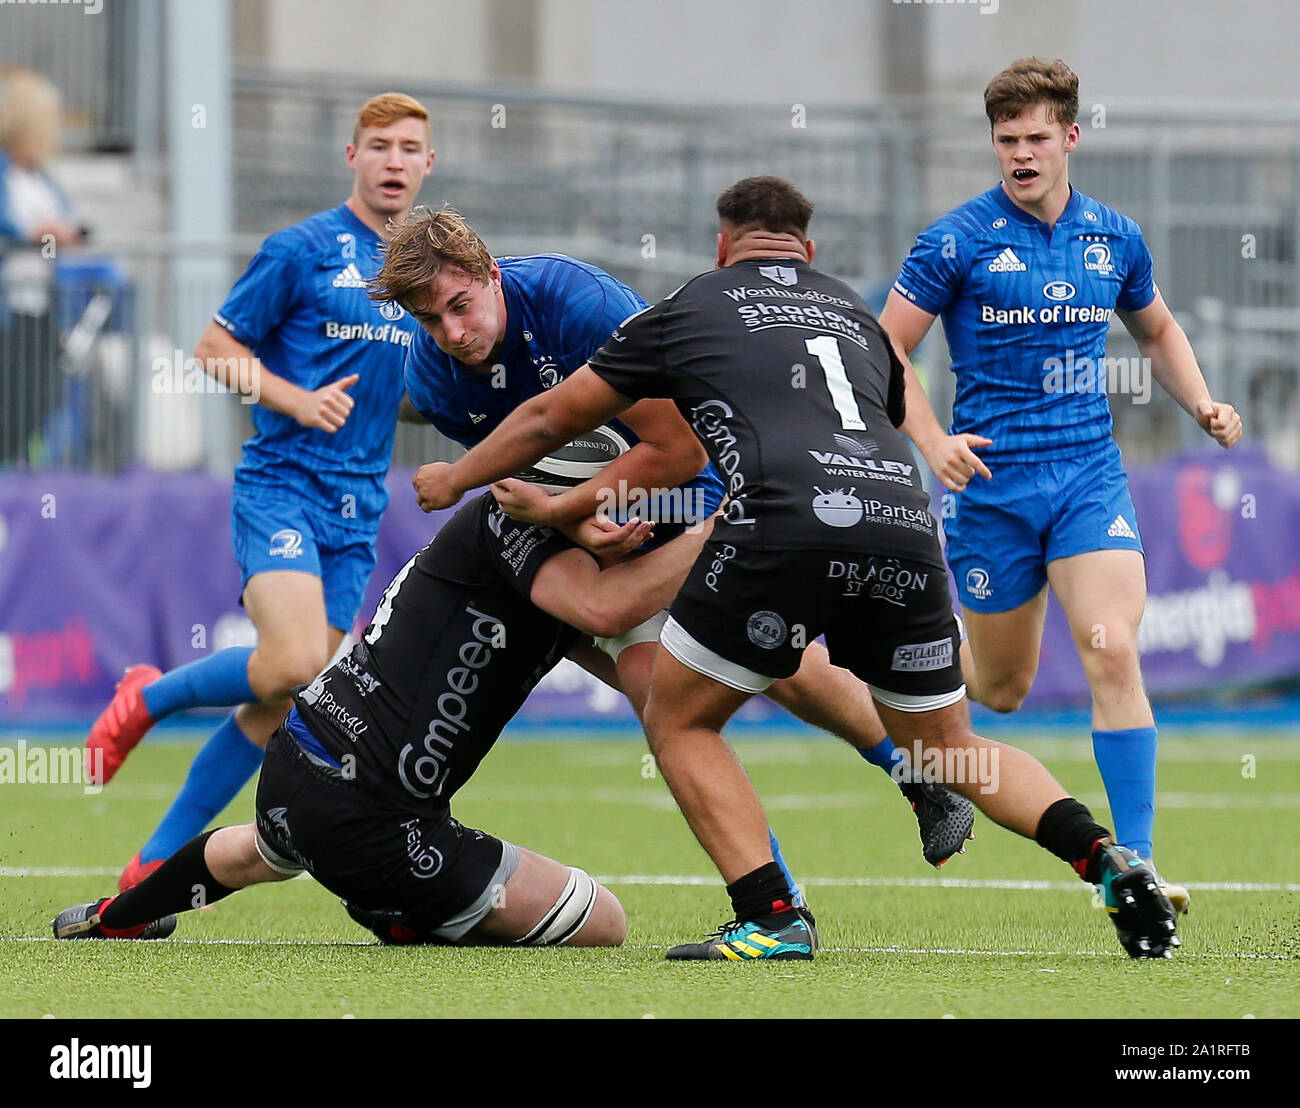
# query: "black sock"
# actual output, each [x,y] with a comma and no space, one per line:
[1068,830]
[179,884]
[761,892]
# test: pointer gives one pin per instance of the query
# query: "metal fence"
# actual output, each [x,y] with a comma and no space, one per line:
[1219,200]
[630,187]
[96,365]
[96,371]
[92,52]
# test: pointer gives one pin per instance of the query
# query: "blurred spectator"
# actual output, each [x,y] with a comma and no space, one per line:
[36,219]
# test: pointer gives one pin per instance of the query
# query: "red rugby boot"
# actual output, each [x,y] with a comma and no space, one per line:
[120,726]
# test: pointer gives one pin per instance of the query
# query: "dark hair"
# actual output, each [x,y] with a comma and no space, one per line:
[765,203]
[1029,82]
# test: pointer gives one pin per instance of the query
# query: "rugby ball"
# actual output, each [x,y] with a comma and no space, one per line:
[578,461]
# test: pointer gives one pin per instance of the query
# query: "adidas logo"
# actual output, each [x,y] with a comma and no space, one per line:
[349,277]
[1007,262]
[477,417]
[1120,529]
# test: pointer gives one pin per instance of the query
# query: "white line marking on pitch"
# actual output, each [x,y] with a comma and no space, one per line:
[943,951]
[820,882]
[949,883]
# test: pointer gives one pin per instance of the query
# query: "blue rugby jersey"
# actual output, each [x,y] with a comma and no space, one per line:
[559,312]
[1026,310]
[301,307]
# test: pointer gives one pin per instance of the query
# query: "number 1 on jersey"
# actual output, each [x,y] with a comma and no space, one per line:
[826,350]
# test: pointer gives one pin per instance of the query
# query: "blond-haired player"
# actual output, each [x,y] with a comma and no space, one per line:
[323,362]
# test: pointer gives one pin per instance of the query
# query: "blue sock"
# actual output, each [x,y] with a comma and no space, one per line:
[776,857]
[885,755]
[1127,762]
[219,679]
[218,772]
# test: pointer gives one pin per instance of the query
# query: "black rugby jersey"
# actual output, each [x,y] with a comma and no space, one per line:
[791,385]
[453,650]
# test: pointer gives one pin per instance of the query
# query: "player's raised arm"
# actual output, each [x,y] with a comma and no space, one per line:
[950,457]
[1173,363]
[232,363]
[579,403]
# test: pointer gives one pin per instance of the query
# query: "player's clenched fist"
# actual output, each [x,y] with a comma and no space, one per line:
[1220,421]
[524,502]
[328,407]
[434,486]
[954,462]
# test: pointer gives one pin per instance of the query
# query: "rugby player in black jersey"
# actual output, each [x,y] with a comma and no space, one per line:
[357,783]
[797,394]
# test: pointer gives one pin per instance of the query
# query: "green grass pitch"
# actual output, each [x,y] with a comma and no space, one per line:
[1004,931]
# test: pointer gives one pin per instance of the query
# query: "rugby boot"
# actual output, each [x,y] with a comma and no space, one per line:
[1141,912]
[946,820]
[786,936]
[81,921]
[136,871]
[120,726]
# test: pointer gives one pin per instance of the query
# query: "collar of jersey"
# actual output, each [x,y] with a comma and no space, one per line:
[349,216]
[1073,207]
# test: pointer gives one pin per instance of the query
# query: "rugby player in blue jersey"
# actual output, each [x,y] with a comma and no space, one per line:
[299,335]
[496,333]
[722,347]
[1026,277]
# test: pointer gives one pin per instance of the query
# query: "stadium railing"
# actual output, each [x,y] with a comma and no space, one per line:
[105,67]
[629,186]
[96,361]
[102,378]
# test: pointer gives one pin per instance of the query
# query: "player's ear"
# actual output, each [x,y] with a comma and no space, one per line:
[350,154]
[811,247]
[1072,138]
[428,166]
[722,250]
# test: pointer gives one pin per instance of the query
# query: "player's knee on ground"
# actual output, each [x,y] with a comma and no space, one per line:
[585,913]
[546,903]
[607,925]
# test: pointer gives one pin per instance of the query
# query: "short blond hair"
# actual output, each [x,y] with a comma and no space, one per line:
[388,108]
[420,247]
[30,115]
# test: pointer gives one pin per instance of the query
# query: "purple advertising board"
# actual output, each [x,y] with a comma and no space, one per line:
[98,573]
